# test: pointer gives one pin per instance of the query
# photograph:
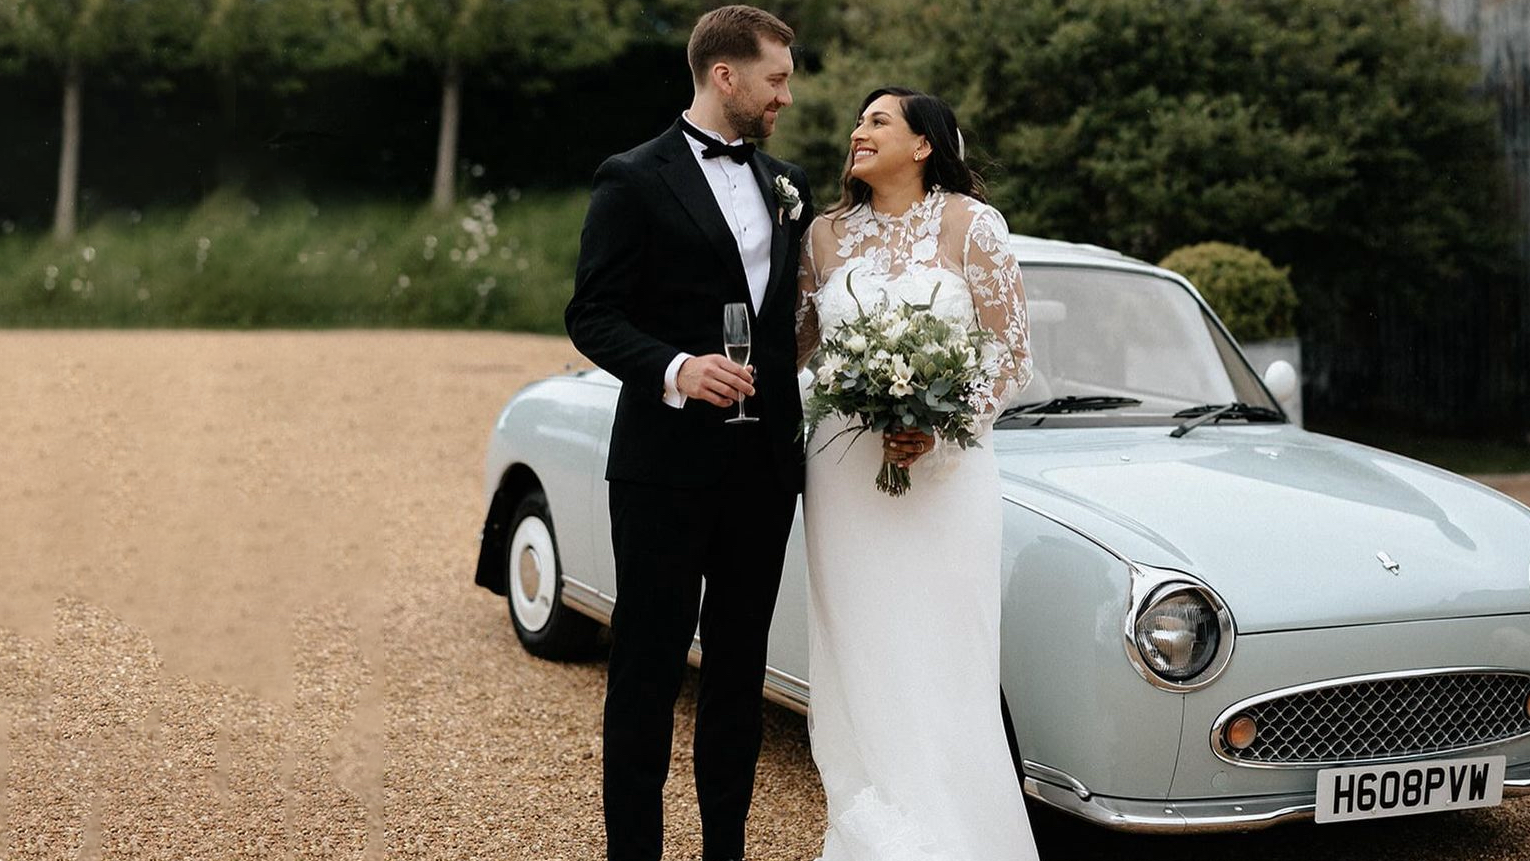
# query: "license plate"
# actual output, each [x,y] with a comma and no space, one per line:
[1371,792]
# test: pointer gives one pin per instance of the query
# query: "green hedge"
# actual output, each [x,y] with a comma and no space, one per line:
[500,261]
[1251,295]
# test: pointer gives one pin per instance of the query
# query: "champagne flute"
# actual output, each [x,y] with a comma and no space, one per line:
[736,343]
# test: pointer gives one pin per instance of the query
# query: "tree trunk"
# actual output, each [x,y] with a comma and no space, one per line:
[446,146]
[64,210]
[231,168]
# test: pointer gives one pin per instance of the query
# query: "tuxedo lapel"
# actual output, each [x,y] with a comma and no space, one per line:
[684,178]
[779,226]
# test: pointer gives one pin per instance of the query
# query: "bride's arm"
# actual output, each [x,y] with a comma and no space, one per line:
[807,310]
[993,274]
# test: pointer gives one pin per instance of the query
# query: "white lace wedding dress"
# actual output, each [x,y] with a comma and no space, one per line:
[904,592]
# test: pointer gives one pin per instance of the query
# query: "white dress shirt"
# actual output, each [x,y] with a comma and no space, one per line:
[748,217]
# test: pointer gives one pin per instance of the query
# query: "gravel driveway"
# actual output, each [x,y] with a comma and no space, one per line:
[238,621]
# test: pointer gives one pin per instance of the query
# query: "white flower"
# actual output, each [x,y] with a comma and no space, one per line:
[88,253]
[992,353]
[856,343]
[896,330]
[790,198]
[901,369]
[900,388]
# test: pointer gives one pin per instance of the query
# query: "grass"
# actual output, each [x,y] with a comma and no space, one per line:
[496,262]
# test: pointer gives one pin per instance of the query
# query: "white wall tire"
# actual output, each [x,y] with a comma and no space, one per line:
[545,626]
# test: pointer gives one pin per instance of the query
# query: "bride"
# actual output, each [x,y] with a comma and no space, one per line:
[905,718]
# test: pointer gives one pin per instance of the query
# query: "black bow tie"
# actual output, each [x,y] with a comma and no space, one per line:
[740,152]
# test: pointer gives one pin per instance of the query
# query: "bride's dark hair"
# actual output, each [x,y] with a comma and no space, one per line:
[946,167]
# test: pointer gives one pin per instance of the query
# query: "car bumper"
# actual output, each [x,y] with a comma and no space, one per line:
[1186,816]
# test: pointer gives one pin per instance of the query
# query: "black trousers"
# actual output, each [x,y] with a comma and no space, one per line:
[667,541]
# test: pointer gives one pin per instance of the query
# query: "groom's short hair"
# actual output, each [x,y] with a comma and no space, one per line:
[732,33]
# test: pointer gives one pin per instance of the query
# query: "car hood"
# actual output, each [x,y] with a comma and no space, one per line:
[1285,524]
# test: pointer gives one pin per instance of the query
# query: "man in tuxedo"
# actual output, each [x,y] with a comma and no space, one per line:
[677,228]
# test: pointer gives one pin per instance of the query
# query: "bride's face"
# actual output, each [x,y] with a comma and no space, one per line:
[882,146]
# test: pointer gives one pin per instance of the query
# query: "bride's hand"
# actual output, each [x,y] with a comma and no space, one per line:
[905,447]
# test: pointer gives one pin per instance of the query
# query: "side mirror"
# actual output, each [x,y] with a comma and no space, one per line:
[1282,382]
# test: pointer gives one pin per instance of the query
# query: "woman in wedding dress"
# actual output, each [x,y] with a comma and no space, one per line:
[905,715]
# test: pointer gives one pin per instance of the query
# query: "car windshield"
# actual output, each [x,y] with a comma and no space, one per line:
[1114,337]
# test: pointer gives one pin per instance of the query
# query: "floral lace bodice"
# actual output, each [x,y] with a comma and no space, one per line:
[947,239]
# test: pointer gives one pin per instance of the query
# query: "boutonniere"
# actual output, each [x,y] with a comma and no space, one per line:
[789,198]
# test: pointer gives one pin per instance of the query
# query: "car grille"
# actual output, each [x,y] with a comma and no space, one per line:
[1385,718]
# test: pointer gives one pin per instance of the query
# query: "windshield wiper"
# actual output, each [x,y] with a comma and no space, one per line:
[1071,404]
[1216,412]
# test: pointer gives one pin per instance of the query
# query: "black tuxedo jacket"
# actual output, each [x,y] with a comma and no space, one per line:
[657,262]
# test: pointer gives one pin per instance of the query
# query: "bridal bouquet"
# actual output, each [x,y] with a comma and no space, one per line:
[899,368]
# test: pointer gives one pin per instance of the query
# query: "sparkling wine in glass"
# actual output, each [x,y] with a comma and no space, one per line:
[736,344]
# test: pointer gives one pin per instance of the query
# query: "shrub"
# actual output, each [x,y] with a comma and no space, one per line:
[494,263]
[1251,295]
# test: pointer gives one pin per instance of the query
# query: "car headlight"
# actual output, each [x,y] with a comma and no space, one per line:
[1177,633]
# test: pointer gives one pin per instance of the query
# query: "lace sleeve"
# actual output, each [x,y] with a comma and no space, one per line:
[993,275]
[807,309]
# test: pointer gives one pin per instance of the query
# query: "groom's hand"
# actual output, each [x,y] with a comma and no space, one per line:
[714,379]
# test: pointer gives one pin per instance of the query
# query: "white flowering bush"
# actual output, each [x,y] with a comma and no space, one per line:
[291,263]
[903,367]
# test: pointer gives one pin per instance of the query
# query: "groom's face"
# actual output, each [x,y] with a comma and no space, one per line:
[760,90]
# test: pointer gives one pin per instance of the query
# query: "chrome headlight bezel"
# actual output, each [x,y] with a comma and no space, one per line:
[1152,586]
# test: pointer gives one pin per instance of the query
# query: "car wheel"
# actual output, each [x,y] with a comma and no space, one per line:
[545,626]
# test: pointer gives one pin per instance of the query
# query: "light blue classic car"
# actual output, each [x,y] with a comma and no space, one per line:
[1213,619]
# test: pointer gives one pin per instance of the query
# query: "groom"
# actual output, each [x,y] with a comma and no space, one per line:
[677,228]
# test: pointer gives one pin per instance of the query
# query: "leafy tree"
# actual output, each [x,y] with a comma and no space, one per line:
[457,37]
[75,37]
[264,43]
[1343,138]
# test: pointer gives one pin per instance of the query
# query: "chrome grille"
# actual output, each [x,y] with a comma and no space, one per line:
[1385,718]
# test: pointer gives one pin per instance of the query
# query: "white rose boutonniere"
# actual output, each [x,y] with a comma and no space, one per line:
[789,198]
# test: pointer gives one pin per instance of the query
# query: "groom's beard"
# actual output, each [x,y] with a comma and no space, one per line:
[747,124]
